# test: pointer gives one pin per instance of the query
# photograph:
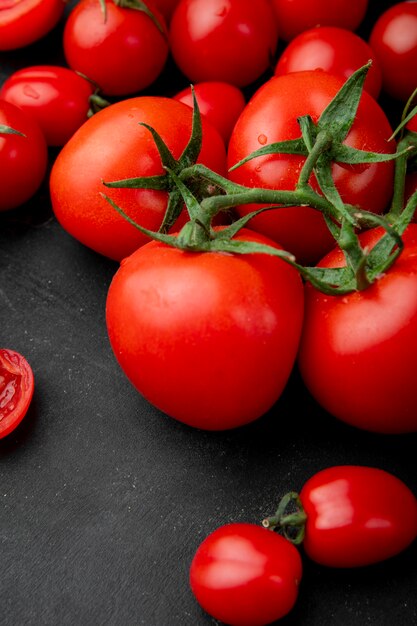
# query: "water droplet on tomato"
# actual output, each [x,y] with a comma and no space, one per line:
[262,139]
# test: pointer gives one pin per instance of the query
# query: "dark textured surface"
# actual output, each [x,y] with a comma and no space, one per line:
[103,500]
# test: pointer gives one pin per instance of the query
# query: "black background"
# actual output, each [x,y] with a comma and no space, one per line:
[103,499]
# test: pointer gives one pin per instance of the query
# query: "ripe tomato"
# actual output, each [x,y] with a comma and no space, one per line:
[358,351]
[221,103]
[357,516]
[223,40]
[220,330]
[335,50]
[23,157]
[16,389]
[112,145]
[26,21]
[245,575]
[296,16]
[394,41]
[56,97]
[270,116]
[123,53]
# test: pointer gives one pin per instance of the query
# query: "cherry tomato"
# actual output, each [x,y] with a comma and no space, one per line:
[23,157]
[270,116]
[56,97]
[357,351]
[220,330]
[296,16]
[335,50]
[245,575]
[122,53]
[112,145]
[394,41]
[26,21]
[221,103]
[232,41]
[357,516]
[16,389]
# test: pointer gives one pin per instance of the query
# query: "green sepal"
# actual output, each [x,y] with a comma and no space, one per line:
[8,130]
[193,148]
[345,154]
[158,183]
[292,146]
[138,5]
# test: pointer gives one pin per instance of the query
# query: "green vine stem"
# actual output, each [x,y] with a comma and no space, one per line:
[290,518]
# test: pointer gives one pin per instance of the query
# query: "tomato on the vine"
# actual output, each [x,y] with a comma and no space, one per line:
[232,41]
[26,21]
[16,389]
[23,156]
[245,575]
[271,116]
[55,96]
[123,52]
[208,338]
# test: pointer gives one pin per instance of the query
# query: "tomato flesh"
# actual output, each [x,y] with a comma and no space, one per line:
[16,389]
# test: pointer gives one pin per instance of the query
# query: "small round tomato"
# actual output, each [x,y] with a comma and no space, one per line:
[271,116]
[358,351]
[16,389]
[113,145]
[26,21]
[56,97]
[394,41]
[335,50]
[296,16]
[221,103]
[245,575]
[23,156]
[208,338]
[223,40]
[123,53]
[357,516]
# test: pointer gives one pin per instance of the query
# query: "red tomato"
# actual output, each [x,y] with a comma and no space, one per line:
[357,516]
[123,53]
[56,97]
[394,42]
[23,157]
[335,50]
[16,389]
[232,41]
[26,21]
[358,351]
[270,116]
[221,103]
[245,575]
[112,145]
[296,16]
[220,330]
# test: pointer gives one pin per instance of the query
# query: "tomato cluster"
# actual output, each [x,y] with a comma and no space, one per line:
[280,205]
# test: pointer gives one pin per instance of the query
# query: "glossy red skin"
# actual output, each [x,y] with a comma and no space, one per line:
[357,351]
[394,41]
[221,103]
[123,55]
[333,49]
[26,21]
[270,116]
[111,146]
[56,97]
[245,575]
[17,385]
[23,160]
[231,41]
[296,16]
[221,331]
[357,516]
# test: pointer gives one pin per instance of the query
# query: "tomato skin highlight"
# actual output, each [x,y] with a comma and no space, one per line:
[26,21]
[208,338]
[245,575]
[112,145]
[357,352]
[16,390]
[357,516]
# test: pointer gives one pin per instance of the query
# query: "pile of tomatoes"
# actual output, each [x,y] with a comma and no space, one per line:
[217,305]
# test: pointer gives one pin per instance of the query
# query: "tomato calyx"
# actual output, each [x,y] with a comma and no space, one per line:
[289,519]
[137,5]
[7,130]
